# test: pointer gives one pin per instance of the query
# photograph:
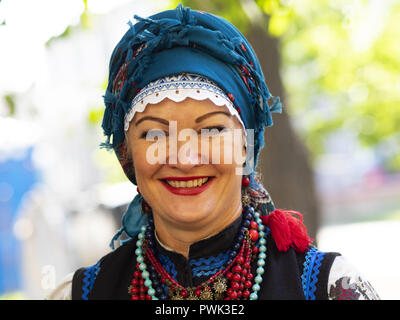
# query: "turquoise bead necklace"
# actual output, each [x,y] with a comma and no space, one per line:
[143,287]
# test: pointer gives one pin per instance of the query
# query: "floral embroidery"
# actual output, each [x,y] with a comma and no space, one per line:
[346,289]
[346,283]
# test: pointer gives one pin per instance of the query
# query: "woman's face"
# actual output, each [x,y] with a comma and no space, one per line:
[188,176]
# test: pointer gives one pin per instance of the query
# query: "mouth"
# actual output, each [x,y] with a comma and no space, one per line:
[187,185]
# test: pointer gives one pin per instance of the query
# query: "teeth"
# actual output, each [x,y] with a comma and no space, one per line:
[187,184]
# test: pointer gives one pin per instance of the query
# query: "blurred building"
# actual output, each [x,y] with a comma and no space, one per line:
[17,177]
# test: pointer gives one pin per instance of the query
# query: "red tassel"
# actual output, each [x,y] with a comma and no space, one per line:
[287,230]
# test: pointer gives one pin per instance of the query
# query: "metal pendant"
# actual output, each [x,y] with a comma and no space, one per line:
[206,294]
[220,284]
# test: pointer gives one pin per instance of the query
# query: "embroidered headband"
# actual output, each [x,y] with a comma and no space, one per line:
[178,88]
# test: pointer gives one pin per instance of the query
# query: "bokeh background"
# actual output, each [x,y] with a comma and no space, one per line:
[334,153]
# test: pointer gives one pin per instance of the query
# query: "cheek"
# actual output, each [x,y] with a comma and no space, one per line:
[144,170]
[230,183]
[226,149]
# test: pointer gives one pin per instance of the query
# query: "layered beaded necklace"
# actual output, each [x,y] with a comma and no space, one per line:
[233,282]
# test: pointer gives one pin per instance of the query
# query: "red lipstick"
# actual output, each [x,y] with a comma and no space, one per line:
[186,191]
[185,178]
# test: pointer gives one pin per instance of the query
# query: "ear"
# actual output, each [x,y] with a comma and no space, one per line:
[244,148]
[128,146]
[126,160]
[129,153]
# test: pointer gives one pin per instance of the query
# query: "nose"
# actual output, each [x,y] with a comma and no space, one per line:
[184,154]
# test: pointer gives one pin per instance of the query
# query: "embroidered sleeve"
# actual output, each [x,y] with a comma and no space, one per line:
[346,283]
[64,290]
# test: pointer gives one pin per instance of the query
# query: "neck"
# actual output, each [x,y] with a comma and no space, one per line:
[179,238]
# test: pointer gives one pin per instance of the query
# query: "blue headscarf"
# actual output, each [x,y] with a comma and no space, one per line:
[183,40]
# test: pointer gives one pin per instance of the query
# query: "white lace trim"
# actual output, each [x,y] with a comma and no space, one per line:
[178,88]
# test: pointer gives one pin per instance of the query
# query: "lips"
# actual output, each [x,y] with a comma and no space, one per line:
[187,186]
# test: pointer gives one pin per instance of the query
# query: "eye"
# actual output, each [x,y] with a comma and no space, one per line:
[212,130]
[153,133]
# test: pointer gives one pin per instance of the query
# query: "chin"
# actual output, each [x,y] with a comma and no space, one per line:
[188,213]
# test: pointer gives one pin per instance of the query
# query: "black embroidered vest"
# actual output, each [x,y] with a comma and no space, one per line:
[288,275]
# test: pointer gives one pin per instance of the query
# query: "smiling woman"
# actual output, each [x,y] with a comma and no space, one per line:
[193,191]
[186,107]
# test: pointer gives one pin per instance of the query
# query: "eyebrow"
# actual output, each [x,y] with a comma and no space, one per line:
[163,121]
[166,122]
[205,116]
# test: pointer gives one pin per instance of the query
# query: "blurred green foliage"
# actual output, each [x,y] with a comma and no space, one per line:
[95,115]
[340,64]
[231,10]
[341,69]
[66,33]
[10,102]
[86,17]
[85,23]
